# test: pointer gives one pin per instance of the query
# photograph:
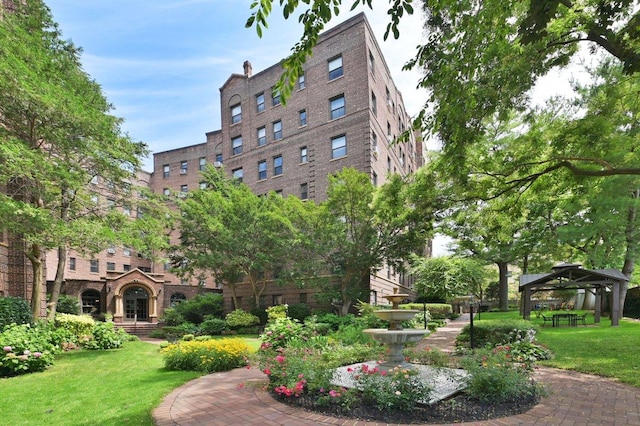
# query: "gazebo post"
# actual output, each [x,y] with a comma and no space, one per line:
[598,303]
[526,298]
[615,308]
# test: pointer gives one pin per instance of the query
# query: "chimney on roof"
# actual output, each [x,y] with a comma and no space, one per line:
[247,68]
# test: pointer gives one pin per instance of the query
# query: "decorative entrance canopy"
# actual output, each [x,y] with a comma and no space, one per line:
[573,276]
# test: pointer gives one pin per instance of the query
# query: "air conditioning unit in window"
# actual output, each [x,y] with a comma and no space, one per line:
[111,250]
[217,164]
[183,171]
[375,152]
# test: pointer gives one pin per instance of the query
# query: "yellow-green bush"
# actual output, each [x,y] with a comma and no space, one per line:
[208,356]
[80,325]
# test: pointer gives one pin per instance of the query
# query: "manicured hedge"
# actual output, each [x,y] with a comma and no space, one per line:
[14,310]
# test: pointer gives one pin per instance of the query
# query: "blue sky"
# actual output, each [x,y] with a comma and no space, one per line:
[161,63]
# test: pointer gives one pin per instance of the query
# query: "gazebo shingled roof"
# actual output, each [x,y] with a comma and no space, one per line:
[573,276]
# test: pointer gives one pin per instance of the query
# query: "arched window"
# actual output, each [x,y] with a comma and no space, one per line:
[177,298]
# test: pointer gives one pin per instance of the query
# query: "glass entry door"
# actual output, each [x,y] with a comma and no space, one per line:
[136,304]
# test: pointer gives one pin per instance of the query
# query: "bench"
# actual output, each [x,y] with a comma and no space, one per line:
[546,319]
[582,318]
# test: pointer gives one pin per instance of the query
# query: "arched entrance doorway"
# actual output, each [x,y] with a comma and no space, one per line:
[136,304]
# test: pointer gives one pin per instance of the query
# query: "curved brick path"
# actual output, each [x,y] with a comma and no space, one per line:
[236,398]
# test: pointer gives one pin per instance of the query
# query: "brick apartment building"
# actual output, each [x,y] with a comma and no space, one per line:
[344,112]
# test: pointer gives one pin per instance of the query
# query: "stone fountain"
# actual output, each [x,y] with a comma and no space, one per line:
[395,337]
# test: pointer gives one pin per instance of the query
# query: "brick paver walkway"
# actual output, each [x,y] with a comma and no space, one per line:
[237,398]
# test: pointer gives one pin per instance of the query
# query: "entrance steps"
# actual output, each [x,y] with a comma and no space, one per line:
[138,328]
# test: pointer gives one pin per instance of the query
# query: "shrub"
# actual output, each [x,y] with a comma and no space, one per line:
[158,333]
[277,311]
[492,333]
[213,326]
[68,305]
[207,356]
[176,332]
[427,356]
[106,336]
[239,319]
[334,321]
[299,311]
[24,349]
[80,325]
[279,333]
[494,378]
[202,305]
[14,310]
[398,389]
[172,318]
[436,310]
[351,334]
[261,314]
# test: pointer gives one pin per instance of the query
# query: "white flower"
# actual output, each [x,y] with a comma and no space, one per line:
[398,393]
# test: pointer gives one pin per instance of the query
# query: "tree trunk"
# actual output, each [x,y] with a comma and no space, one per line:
[503,288]
[57,283]
[631,232]
[35,256]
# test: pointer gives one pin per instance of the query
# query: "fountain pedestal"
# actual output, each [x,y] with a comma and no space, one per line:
[395,337]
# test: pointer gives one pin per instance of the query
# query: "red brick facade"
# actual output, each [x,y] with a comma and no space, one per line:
[343,114]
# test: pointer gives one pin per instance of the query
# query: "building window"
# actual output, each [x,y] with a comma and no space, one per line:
[262,169]
[111,203]
[277,130]
[277,165]
[301,82]
[184,167]
[126,267]
[202,163]
[338,147]
[372,62]
[303,155]
[388,96]
[203,185]
[166,192]
[303,117]
[303,297]
[236,145]
[167,266]
[176,299]
[126,251]
[275,97]
[238,174]
[374,142]
[166,171]
[374,179]
[94,266]
[94,179]
[72,263]
[389,138]
[111,266]
[262,136]
[335,68]
[219,158]
[374,103]
[278,192]
[236,114]
[184,188]
[126,210]
[260,102]
[304,191]
[337,107]
[388,164]
[90,302]
[278,299]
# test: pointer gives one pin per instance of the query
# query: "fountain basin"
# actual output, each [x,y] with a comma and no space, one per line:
[396,314]
[396,337]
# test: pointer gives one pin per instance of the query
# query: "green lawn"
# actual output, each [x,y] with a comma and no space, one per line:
[114,387]
[596,349]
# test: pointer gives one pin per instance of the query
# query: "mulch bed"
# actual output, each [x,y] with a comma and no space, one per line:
[460,408]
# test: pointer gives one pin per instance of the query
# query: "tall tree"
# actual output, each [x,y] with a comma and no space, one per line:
[446,277]
[232,233]
[56,134]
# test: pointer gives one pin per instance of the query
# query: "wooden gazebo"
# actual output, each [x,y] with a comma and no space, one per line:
[573,276]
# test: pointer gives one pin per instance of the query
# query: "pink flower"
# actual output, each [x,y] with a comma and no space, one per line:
[27,352]
[267,371]
[280,359]
[37,354]
[300,376]
[7,348]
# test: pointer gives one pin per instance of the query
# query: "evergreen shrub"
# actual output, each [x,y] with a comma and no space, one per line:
[14,310]
[492,333]
[213,326]
[201,306]
[68,305]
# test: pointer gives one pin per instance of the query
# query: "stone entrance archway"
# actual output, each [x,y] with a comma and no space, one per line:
[135,297]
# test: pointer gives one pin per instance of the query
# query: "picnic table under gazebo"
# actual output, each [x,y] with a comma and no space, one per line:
[573,276]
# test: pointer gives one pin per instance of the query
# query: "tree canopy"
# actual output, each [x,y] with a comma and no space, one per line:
[56,136]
